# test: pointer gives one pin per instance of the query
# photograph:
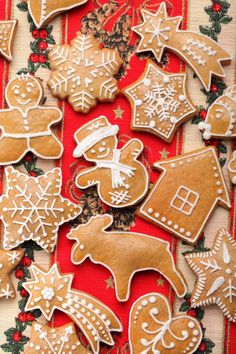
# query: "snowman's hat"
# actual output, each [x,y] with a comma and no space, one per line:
[93,132]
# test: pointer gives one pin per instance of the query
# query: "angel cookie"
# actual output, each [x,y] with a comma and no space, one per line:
[121,179]
[154,330]
[7,32]
[33,209]
[83,72]
[216,276]
[159,32]
[26,126]
[160,102]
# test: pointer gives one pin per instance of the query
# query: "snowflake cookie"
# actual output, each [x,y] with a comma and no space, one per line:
[33,209]
[42,11]
[160,102]
[153,329]
[60,340]
[51,290]
[7,32]
[216,282]
[26,126]
[84,72]
[121,179]
[9,260]
[159,32]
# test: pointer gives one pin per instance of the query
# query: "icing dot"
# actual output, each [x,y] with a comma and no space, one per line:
[163,219]
[176,226]
[191,324]
[228,271]
[172,165]
[195,332]
[157,215]
[181,98]
[173,119]
[152,299]
[188,233]
[138,102]
[152,124]
[144,303]
[220,191]
[147,82]
[150,210]
[1,265]
[166,79]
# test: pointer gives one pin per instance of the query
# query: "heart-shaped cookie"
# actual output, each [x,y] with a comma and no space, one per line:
[152,329]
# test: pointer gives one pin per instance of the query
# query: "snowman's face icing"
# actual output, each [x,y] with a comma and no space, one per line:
[24,92]
[102,150]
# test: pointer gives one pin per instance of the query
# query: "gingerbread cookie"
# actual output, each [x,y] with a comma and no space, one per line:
[83,72]
[189,189]
[33,209]
[160,102]
[9,260]
[7,33]
[216,277]
[221,117]
[121,179]
[141,252]
[42,11]
[54,340]
[153,329]
[159,32]
[232,168]
[26,126]
[51,290]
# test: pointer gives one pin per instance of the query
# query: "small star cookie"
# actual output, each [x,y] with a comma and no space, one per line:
[33,209]
[7,32]
[216,275]
[9,260]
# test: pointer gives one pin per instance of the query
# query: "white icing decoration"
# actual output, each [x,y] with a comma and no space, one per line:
[216,285]
[185,201]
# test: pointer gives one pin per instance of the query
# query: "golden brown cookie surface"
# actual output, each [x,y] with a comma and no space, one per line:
[7,32]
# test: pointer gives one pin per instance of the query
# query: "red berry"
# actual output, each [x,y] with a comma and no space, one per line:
[216,7]
[35,34]
[42,58]
[30,316]
[43,34]
[202,114]
[34,58]
[26,261]
[202,347]
[19,274]
[24,293]
[32,173]
[192,313]
[43,45]
[17,336]
[22,317]
[214,88]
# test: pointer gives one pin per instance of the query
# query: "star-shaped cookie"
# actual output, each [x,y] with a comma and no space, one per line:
[33,209]
[54,340]
[9,260]
[216,272]
[7,31]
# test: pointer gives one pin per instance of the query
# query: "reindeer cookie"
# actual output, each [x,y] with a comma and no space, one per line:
[121,179]
[131,253]
[26,126]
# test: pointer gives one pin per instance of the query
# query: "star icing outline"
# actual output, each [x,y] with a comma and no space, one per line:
[213,270]
[49,206]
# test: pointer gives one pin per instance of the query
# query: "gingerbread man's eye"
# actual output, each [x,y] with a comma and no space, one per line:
[28,89]
[16,91]
[93,151]
[103,143]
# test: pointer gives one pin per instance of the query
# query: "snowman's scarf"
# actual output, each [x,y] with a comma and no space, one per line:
[116,168]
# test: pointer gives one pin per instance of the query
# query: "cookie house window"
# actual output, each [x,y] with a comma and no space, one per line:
[185,200]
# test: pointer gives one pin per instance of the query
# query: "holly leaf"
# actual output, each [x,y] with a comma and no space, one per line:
[49,28]
[185,306]
[226,19]
[196,119]
[200,314]
[50,40]
[7,347]
[22,304]
[205,30]
[31,67]
[23,71]
[222,148]
[22,6]
[209,344]
[222,161]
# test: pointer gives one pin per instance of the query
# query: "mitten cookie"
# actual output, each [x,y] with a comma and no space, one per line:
[7,33]
[153,329]
[33,209]
[121,179]
[131,253]
[215,271]
[189,189]
[83,72]
[159,32]
[51,290]
[160,102]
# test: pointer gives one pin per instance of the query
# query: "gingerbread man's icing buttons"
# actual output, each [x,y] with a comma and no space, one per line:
[33,209]
[159,32]
[183,199]
[216,276]
[153,329]
[7,32]
[160,102]
[25,125]
[84,73]
[232,168]
[52,290]
[220,121]
[42,11]
[121,179]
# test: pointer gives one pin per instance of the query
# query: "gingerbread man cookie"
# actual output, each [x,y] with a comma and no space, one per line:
[153,329]
[216,276]
[232,168]
[26,126]
[160,102]
[9,260]
[51,290]
[33,209]
[221,117]
[141,252]
[121,179]
[83,72]
[7,32]
[159,32]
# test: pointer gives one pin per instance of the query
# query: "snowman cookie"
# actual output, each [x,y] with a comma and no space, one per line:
[26,126]
[121,179]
